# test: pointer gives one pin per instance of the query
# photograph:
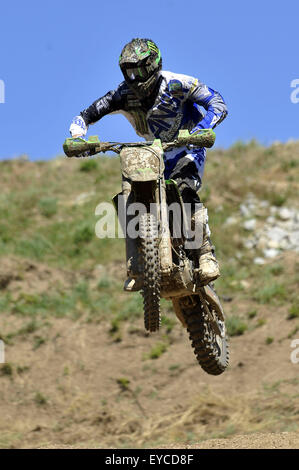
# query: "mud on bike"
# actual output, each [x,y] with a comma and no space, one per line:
[158,259]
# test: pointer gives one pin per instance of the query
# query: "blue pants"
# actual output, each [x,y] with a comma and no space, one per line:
[186,167]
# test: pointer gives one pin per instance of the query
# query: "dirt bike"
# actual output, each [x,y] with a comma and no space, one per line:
[159,260]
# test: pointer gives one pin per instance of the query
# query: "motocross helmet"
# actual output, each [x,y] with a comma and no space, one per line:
[140,62]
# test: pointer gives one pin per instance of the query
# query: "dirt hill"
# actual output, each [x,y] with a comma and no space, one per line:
[80,370]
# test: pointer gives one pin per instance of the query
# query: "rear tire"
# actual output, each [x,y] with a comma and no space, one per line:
[210,349]
[151,272]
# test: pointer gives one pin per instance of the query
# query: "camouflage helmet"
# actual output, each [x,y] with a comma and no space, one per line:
[140,62]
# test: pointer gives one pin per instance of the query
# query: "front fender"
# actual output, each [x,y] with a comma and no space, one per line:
[142,163]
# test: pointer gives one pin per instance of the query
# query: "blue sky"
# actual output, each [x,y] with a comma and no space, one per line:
[57,57]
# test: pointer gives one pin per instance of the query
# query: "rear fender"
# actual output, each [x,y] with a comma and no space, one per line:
[214,301]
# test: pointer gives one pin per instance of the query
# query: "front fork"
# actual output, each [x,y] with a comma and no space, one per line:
[121,203]
[165,248]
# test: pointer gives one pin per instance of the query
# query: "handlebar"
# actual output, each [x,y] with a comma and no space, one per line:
[74,147]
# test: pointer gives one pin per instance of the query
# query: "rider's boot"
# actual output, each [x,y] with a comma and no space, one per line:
[208,267]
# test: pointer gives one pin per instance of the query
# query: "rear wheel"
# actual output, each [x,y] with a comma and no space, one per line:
[151,271]
[210,348]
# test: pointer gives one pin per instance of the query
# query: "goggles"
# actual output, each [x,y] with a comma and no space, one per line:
[137,73]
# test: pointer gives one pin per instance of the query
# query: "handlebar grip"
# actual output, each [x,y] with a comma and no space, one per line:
[205,138]
[74,147]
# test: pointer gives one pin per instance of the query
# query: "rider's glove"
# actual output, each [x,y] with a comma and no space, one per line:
[78,126]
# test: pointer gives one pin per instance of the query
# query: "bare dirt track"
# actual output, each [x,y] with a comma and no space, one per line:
[286,440]
[82,387]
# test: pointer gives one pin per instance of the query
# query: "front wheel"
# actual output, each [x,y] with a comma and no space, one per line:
[210,348]
[151,271]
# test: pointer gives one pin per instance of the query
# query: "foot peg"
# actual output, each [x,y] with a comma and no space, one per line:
[132,284]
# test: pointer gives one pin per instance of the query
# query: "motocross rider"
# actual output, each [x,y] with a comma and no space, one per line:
[158,104]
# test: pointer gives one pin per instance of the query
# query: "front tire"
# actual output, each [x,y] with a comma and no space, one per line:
[151,271]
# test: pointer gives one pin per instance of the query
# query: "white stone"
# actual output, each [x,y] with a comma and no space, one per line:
[264,204]
[271,253]
[250,224]
[287,225]
[249,243]
[271,220]
[259,261]
[251,206]
[285,213]
[277,234]
[285,244]
[231,221]
[294,239]
[244,210]
[262,242]
[273,244]
[245,284]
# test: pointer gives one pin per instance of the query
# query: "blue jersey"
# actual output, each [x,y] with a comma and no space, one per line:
[177,105]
